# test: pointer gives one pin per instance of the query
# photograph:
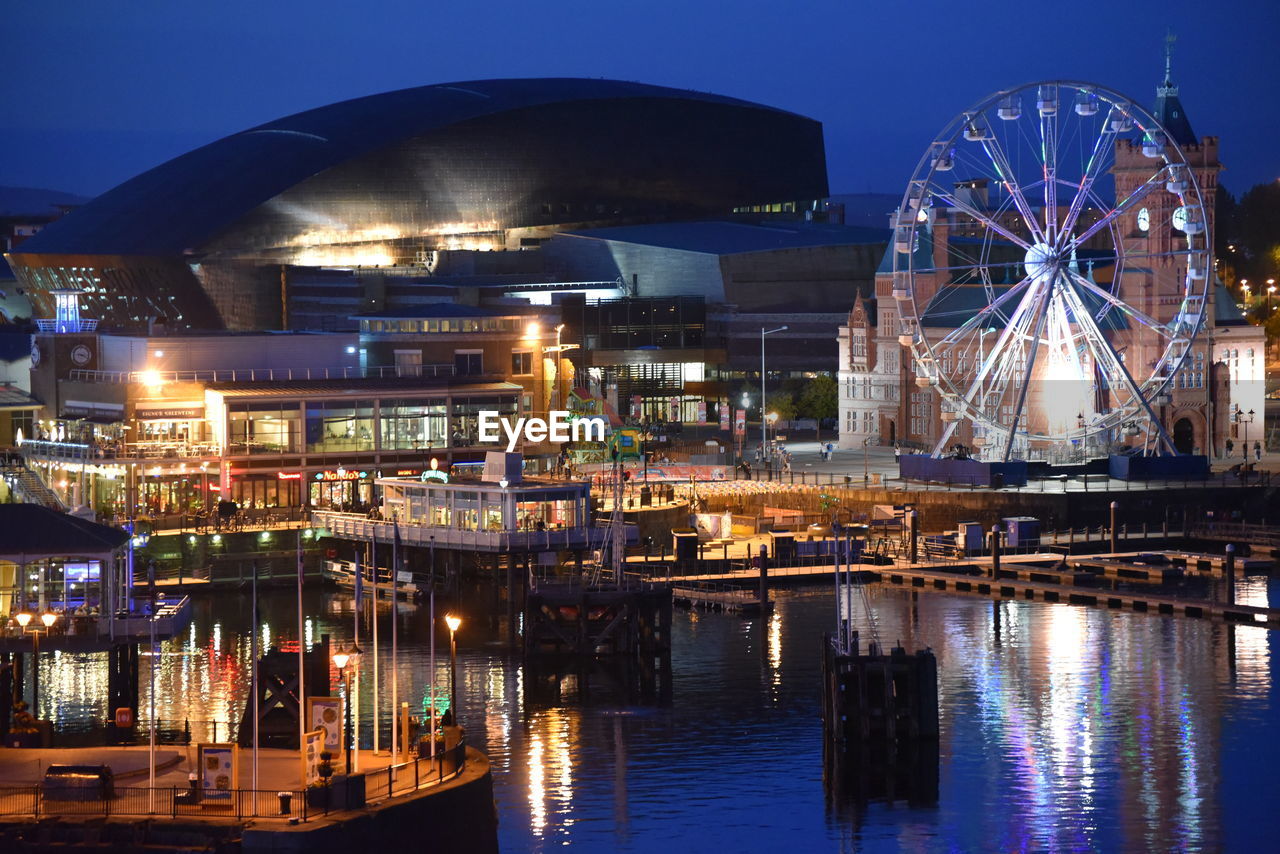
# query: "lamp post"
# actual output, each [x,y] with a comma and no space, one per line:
[453,621]
[151,690]
[764,425]
[48,618]
[341,660]
[1245,418]
[1271,289]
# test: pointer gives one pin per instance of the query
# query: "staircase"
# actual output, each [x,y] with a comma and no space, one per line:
[26,485]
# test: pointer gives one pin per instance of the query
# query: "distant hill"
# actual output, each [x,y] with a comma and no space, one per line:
[33,201]
[871,209]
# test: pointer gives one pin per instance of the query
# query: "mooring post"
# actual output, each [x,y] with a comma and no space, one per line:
[1229,569]
[1115,506]
[764,578]
[913,533]
[995,552]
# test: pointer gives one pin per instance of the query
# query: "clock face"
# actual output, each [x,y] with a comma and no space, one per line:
[35,355]
[1144,219]
[1180,218]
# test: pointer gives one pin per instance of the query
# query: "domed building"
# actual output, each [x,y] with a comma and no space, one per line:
[397,181]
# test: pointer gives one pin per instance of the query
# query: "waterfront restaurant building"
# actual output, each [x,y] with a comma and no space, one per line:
[171,424]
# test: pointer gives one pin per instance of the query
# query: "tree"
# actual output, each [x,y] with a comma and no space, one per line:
[1257,222]
[820,399]
[782,403]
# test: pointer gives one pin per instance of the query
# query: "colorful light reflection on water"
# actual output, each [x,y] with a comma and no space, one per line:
[1063,727]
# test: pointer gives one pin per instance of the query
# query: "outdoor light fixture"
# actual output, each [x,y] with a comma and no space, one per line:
[452,621]
[340,660]
[532,330]
[48,618]
[23,618]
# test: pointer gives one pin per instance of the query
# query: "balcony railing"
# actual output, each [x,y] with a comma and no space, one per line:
[228,375]
[354,526]
[81,451]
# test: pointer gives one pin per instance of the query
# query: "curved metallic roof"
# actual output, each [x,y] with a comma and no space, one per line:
[179,205]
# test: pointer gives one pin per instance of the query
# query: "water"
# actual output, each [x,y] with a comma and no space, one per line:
[1062,727]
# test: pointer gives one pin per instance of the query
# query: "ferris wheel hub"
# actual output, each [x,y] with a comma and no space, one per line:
[1040,260]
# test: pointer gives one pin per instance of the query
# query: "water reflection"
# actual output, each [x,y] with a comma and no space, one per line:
[1062,727]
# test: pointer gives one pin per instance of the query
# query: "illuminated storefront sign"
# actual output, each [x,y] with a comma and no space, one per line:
[341,474]
[289,475]
[176,412]
[434,473]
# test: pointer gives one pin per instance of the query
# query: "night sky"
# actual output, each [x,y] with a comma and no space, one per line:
[96,91]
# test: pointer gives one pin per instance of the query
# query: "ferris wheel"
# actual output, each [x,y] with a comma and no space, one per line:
[1051,270]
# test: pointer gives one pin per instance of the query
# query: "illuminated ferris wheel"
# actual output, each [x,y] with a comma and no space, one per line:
[1051,270]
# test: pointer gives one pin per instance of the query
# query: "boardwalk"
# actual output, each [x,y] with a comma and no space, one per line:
[1026,576]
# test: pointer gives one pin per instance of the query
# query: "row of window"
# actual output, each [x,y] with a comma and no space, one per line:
[867,421]
[327,426]
[436,324]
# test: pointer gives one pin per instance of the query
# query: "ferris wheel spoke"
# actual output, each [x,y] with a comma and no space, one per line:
[1104,352]
[1101,147]
[1131,201]
[1042,314]
[1014,329]
[987,221]
[1049,165]
[983,314]
[1010,183]
[1114,301]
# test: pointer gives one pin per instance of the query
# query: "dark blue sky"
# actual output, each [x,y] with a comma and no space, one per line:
[96,91]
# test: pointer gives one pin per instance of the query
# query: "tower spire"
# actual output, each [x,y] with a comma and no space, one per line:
[1168,108]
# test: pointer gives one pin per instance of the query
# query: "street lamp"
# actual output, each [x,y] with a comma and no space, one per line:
[340,660]
[764,426]
[1271,289]
[24,618]
[453,621]
[1245,418]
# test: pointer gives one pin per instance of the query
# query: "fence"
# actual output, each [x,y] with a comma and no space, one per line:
[40,801]
[1056,483]
[168,731]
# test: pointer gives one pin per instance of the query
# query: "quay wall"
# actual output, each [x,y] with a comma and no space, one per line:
[942,509]
[459,817]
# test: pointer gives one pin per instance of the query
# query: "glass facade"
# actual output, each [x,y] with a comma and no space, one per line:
[263,428]
[413,424]
[465,420]
[339,425]
[484,507]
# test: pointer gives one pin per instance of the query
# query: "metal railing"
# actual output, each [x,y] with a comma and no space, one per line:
[119,451]
[94,733]
[39,801]
[355,526]
[1262,535]
[224,375]
[1058,484]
